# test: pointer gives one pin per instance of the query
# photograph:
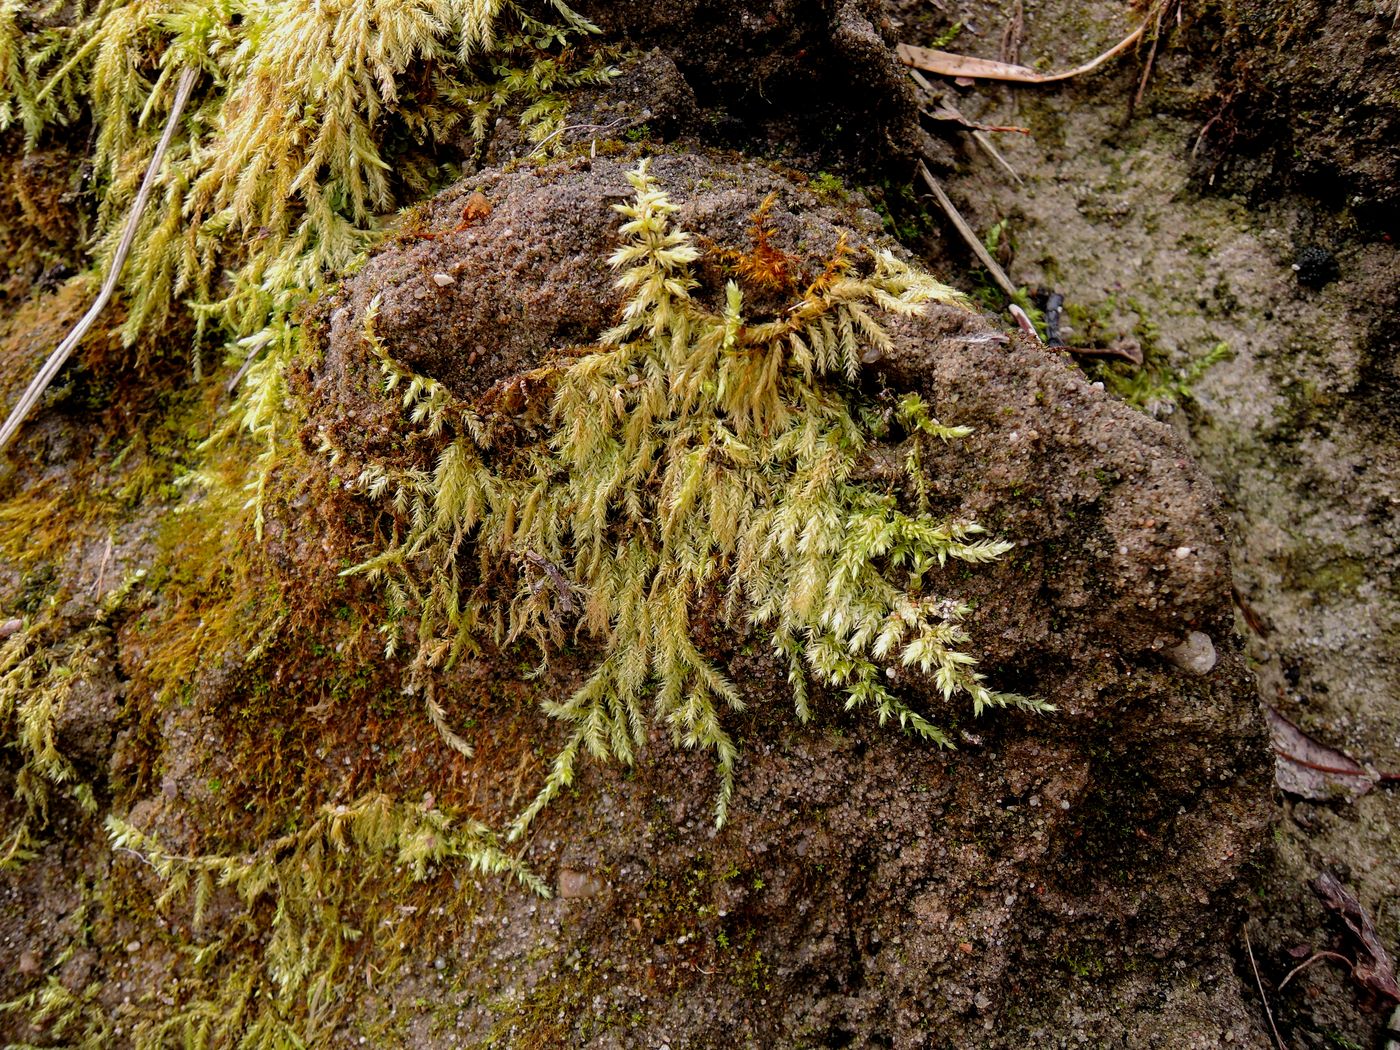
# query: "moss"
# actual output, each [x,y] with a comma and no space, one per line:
[1158,386]
[1326,571]
[694,448]
[557,1010]
[286,680]
[829,189]
[905,216]
[250,221]
[199,630]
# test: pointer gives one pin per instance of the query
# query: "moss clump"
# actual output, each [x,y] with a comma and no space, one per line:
[308,123]
[40,665]
[311,880]
[298,137]
[694,456]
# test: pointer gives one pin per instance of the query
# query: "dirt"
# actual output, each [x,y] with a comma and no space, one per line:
[1080,878]
[1192,219]
[1139,803]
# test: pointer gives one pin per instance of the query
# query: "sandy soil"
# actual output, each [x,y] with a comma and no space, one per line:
[1180,248]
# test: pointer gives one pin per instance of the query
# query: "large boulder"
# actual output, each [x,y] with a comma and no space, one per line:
[1073,874]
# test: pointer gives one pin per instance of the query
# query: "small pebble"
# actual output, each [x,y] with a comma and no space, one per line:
[9,627]
[132,947]
[28,963]
[1315,266]
[574,884]
[1183,552]
[442,280]
[1196,654]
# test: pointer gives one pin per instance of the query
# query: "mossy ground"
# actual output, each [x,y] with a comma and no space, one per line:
[230,741]
[255,693]
[1137,227]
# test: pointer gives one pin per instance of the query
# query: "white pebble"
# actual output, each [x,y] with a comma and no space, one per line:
[1196,654]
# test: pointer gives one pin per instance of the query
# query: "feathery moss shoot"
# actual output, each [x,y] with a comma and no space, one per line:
[309,122]
[692,455]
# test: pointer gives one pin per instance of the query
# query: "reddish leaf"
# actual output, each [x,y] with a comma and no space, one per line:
[1311,769]
[1373,966]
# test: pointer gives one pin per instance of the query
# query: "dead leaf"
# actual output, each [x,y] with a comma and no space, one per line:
[1125,351]
[476,209]
[947,64]
[950,113]
[1373,968]
[1311,769]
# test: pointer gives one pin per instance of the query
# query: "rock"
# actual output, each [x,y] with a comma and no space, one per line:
[1335,100]
[29,962]
[871,886]
[1196,654]
[788,72]
[575,884]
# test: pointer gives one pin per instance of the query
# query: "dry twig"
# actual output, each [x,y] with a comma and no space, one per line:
[1259,982]
[57,359]
[1014,35]
[978,248]
[979,131]
[1315,957]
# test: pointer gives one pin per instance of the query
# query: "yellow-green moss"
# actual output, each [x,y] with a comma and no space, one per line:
[694,452]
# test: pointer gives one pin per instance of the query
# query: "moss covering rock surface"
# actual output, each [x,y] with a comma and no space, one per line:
[857,864]
[1098,837]
[1057,877]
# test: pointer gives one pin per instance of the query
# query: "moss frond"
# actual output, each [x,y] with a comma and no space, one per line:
[296,143]
[76,1017]
[40,665]
[299,894]
[694,452]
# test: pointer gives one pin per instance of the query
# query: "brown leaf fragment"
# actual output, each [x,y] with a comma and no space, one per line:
[950,113]
[947,64]
[1126,351]
[1373,968]
[1025,322]
[475,210]
[1308,768]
